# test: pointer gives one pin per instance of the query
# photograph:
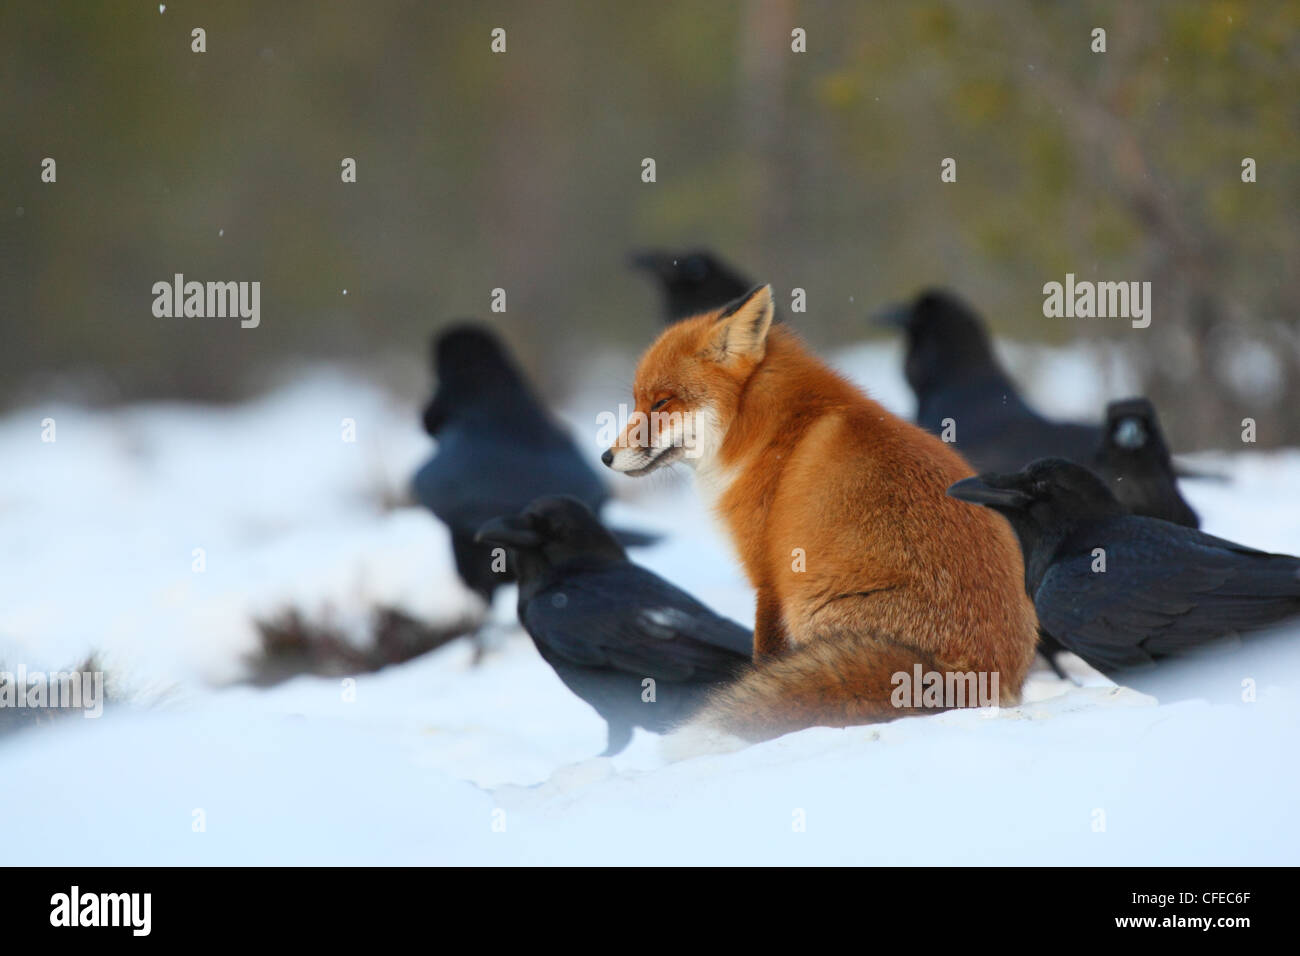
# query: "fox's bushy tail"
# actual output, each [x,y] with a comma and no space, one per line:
[829,682]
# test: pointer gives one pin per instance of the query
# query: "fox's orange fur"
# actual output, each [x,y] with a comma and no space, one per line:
[800,462]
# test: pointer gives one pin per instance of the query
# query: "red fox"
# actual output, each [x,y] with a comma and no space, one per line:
[864,568]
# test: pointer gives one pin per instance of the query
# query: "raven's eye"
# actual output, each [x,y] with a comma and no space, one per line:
[661,403]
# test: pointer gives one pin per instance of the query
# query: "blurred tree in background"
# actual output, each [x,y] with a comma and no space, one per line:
[522,171]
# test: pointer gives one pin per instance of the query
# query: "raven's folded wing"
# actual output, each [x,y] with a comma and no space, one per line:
[1161,595]
[629,619]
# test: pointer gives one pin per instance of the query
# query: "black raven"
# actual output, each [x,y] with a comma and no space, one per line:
[498,449]
[692,282]
[1121,590]
[639,650]
[955,375]
[1135,461]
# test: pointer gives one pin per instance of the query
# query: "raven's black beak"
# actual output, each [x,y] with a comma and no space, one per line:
[896,316]
[978,491]
[515,531]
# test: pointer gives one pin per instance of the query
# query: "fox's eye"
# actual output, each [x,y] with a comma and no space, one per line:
[660,404]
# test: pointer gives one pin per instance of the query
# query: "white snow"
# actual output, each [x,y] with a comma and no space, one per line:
[438,762]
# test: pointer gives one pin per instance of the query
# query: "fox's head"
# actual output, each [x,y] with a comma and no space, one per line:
[688,386]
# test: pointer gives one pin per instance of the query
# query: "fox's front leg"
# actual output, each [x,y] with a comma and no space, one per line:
[770,638]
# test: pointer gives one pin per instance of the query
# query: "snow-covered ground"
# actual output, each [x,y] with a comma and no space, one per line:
[437,762]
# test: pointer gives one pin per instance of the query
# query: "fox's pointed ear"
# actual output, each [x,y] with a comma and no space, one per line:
[741,329]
